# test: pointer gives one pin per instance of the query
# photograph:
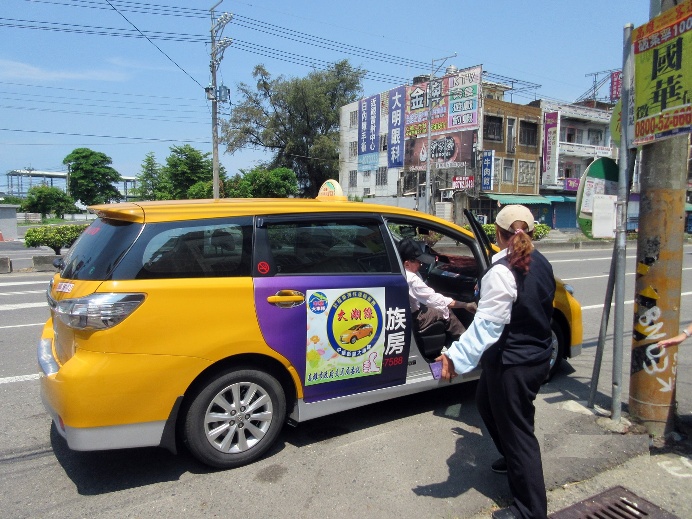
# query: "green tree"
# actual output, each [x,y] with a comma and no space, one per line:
[297,119]
[55,236]
[204,189]
[186,166]
[262,183]
[91,177]
[45,199]
[152,183]
[11,200]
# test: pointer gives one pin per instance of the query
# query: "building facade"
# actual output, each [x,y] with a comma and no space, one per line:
[474,149]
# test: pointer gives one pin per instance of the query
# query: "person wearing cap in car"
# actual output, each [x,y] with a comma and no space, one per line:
[428,306]
[510,337]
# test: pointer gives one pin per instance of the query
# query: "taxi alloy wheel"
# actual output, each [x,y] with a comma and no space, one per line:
[235,418]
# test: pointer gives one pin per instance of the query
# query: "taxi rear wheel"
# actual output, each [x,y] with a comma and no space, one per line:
[234,418]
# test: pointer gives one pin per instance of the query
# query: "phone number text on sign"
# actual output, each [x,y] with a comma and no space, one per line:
[462,182]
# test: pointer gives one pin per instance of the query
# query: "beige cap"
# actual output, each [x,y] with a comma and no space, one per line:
[511,213]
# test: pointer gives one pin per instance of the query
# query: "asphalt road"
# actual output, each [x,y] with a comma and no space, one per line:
[419,456]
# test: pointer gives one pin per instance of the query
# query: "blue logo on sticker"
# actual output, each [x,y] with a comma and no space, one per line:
[318,303]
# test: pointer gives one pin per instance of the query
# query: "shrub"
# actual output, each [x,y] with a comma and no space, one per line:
[540,230]
[53,236]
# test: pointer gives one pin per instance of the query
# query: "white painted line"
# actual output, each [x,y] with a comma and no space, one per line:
[21,378]
[16,283]
[595,307]
[606,275]
[21,325]
[20,306]
[22,292]
[609,258]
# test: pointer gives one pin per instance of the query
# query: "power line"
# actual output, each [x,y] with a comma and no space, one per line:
[157,47]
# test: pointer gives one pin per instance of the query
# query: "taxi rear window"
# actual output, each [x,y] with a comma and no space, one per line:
[99,249]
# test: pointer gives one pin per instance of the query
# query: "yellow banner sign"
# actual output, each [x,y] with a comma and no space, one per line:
[663,75]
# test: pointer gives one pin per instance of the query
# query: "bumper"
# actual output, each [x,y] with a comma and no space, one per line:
[102,401]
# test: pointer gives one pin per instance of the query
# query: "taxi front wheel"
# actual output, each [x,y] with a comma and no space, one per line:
[235,418]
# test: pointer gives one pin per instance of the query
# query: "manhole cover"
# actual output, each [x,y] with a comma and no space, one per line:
[615,503]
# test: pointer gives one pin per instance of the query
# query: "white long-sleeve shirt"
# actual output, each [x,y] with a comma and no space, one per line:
[498,294]
[421,294]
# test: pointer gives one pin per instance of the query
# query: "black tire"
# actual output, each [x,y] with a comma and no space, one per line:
[235,418]
[558,346]
[353,339]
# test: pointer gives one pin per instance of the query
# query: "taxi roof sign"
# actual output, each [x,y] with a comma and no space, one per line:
[331,190]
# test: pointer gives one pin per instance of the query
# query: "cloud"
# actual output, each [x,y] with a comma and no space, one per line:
[22,71]
[139,65]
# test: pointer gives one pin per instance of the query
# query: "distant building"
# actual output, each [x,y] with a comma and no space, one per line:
[19,181]
[481,152]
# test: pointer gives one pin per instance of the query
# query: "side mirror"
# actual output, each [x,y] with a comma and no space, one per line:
[58,263]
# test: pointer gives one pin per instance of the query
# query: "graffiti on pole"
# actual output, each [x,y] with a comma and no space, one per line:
[650,358]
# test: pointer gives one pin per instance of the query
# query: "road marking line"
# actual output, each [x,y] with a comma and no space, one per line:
[23,292]
[15,283]
[594,307]
[20,306]
[20,325]
[606,275]
[21,378]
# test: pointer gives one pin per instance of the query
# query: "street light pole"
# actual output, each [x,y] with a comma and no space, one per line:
[427,199]
[217,48]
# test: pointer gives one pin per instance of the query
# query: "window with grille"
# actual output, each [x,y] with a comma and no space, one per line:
[353,119]
[353,178]
[383,142]
[527,172]
[595,137]
[381,178]
[528,133]
[508,170]
[492,128]
[353,149]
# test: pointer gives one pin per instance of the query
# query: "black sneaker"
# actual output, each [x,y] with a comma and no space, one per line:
[499,466]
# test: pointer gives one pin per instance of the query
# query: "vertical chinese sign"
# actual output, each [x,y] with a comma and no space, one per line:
[663,75]
[551,147]
[395,132]
[487,170]
[368,133]
[615,85]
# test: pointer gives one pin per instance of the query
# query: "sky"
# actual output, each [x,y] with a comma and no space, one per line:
[79,73]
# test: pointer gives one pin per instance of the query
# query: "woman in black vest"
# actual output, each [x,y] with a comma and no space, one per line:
[511,338]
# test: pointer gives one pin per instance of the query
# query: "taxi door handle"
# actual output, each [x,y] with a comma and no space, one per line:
[287,298]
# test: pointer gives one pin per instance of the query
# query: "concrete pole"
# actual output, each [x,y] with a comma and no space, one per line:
[659,278]
[214,109]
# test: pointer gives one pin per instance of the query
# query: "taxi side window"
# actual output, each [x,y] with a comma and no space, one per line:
[328,248]
[209,248]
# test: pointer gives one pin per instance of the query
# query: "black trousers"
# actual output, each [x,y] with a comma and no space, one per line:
[427,315]
[505,396]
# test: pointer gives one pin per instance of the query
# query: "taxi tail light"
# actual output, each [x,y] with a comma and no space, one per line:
[97,311]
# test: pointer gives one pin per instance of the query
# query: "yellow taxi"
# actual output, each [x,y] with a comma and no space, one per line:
[210,323]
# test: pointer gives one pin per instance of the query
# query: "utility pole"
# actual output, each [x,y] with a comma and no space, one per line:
[427,205]
[663,183]
[218,45]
